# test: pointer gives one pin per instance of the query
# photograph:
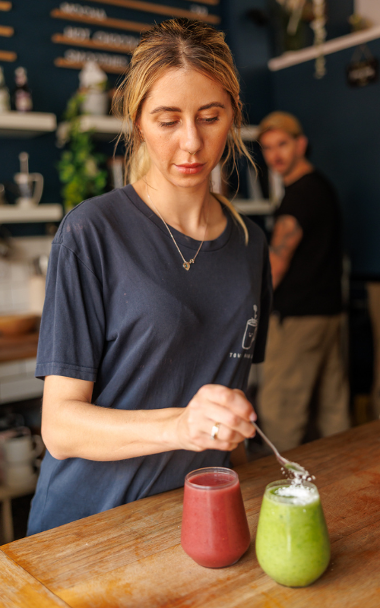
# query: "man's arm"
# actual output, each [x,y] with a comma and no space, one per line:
[286,237]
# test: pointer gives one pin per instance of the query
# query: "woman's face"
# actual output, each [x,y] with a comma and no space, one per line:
[185,121]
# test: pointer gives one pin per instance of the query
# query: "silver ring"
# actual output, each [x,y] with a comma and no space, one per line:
[214,430]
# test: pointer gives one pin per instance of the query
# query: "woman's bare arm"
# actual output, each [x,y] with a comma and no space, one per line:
[73,427]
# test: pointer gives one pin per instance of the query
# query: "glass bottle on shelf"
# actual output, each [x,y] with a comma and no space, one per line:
[22,95]
[5,104]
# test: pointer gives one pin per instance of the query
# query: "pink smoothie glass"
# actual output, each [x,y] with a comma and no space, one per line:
[215,530]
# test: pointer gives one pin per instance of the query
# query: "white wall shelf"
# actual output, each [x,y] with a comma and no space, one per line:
[12,214]
[331,46]
[107,127]
[26,124]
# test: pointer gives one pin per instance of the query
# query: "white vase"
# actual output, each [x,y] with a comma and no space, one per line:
[95,103]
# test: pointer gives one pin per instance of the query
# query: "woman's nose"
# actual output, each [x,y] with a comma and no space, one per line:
[191,140]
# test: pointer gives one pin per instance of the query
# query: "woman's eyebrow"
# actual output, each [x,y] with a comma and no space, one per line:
[213,104]
[165,109]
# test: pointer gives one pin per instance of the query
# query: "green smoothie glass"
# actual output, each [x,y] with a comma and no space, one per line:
[292,541]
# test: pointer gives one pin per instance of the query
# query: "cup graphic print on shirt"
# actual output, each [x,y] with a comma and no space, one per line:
[250,330]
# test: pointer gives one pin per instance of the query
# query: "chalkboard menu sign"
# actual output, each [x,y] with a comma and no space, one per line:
[108,32]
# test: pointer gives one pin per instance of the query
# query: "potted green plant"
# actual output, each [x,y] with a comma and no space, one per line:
[80,167]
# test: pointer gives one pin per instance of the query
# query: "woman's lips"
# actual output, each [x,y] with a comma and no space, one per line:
[190,168]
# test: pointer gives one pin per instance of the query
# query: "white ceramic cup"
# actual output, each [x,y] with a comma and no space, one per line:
[23,449]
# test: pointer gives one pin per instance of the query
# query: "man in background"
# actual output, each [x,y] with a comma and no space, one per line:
[303,356]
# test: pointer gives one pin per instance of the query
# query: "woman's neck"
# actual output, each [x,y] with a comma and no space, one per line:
[188,210]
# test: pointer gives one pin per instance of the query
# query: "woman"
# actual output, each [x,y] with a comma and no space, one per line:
[157,296]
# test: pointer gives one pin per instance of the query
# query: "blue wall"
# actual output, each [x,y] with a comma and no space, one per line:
[250,45]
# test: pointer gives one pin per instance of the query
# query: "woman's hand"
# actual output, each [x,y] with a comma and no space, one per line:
[214,405]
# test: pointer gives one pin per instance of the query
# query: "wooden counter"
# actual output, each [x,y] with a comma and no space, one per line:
[131,556]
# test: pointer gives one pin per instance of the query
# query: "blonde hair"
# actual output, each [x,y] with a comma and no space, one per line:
[177,43]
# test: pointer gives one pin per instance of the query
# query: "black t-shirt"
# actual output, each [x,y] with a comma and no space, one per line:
[121,311]
[312,285]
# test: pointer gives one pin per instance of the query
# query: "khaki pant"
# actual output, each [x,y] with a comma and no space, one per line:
[303,353]
[374,312]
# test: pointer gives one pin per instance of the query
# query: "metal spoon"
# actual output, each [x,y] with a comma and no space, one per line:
[294,468]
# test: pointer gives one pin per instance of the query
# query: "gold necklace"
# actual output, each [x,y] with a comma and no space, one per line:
[185,265]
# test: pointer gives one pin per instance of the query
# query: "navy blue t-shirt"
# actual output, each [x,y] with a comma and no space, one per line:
[122,312]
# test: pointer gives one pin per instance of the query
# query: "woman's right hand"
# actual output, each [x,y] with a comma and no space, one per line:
[212,405]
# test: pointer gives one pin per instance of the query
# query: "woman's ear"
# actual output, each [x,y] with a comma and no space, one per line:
[138,130]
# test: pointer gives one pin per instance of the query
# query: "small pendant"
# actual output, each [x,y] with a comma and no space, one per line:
[191,261]
[186,265]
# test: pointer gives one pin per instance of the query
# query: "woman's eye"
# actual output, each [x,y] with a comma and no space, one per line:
[204,120]
[213,119]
